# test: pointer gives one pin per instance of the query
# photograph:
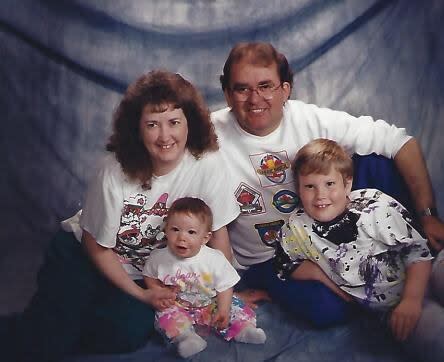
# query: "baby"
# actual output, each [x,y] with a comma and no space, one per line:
[203,279]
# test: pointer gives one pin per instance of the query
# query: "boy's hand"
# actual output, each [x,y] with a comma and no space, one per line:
[404,317]
[220,319]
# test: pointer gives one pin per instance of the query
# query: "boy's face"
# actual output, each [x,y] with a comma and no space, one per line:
[324,197]
[186,233]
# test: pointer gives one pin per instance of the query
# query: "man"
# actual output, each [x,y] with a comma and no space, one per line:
[260,133]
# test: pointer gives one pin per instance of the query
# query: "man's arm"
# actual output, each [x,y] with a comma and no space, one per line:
[221,241]
[412,166]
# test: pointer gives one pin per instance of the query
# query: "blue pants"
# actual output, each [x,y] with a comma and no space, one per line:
[76,310]
[310,300]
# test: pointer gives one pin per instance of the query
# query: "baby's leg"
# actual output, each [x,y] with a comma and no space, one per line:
[310,271]
[242,326]
[177,325]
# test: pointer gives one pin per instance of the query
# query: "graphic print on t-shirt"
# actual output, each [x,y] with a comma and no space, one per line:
[285,201]
[250,200]
[270,232]
[141,229]
[272,168]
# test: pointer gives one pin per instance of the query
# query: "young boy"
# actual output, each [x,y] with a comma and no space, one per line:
[203,279]
[363,241]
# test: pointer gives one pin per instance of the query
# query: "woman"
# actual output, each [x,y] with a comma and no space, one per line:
[162,148]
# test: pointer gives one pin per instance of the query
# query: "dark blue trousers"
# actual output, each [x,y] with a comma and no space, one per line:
[309,300]
[76,310]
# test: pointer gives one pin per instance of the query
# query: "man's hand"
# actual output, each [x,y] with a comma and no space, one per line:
[434,231]
[404,317]
[251,296]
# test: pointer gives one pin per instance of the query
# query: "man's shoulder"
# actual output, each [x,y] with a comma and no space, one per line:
[221,116]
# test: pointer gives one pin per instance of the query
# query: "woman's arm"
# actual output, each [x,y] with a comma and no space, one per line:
[220,240]
[109,265]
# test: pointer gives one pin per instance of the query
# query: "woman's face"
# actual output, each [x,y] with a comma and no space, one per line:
[164,135]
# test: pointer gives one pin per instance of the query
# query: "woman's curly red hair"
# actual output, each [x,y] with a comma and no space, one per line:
[158,90]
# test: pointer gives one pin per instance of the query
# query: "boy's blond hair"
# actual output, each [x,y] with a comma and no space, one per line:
[319,156]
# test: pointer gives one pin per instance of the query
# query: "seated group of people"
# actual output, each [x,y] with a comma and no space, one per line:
[266,183]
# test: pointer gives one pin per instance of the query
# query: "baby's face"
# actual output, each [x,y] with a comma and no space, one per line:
[186,233]
[324,197]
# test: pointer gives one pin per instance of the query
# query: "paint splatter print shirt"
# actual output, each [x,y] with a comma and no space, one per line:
[365,250]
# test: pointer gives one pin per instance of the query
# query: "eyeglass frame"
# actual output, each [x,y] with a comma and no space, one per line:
[256,89]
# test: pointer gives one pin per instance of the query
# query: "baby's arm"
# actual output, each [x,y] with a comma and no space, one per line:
[406,314]
[222,315]
[308,270]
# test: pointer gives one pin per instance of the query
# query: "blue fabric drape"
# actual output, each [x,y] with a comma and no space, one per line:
[64,65]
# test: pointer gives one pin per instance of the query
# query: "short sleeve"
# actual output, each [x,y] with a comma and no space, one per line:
[289,253]
[391,224]
[217,188]
[103,203]
[226,275]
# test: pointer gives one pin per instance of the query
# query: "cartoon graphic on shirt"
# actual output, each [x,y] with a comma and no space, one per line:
[159,208]
[270,232]
[250,201]
[141,229]
[272,168]
[285,201]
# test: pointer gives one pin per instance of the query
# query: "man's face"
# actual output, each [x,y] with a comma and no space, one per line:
[257,114]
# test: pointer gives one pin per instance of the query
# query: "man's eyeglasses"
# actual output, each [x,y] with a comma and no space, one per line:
[266,90]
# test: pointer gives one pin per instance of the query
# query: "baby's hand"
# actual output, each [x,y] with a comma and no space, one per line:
[404,318]
[220,319]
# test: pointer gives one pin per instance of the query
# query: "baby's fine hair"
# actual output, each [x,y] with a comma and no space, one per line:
[318,156]
[192,206]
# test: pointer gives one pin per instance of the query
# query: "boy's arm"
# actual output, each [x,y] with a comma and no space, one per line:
[406,314]
[222,315]
[308,270]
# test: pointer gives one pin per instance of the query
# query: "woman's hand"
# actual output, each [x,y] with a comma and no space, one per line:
[159,298]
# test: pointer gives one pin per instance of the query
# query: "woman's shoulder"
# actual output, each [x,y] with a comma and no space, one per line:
[207,159]
[109,168]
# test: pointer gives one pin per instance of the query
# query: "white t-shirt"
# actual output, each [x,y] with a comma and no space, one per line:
[365,251]
[261,166]
[199,278]
[119,214]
